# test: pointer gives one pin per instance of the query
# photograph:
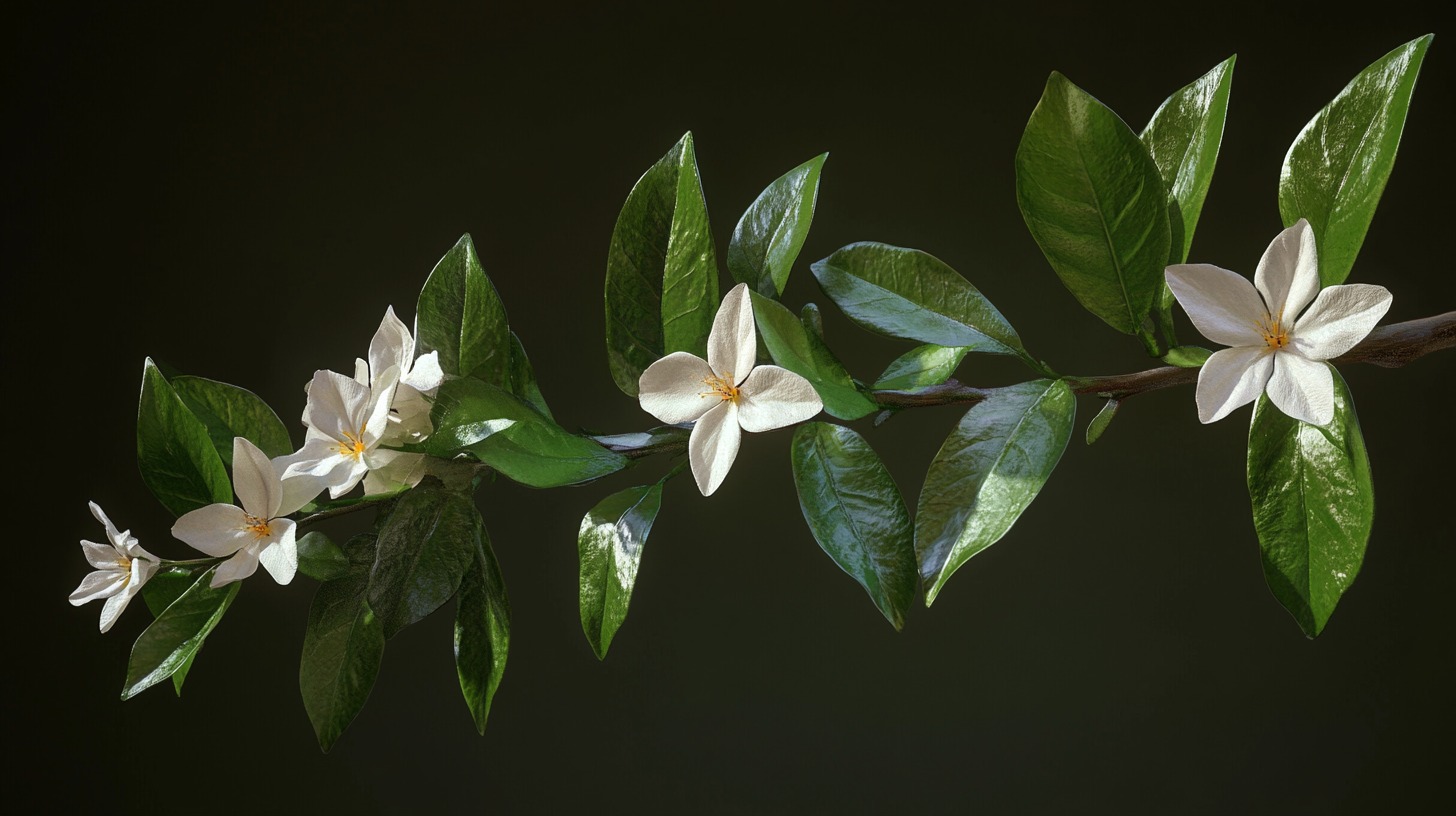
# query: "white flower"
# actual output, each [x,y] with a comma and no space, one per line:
[256,532]
[346,421]
[394,346]
[725,393]
[1275,349]
[122,567]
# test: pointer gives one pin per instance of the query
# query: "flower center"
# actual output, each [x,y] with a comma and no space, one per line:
[721,387]
[1272,329]
[353,445]
[257,526]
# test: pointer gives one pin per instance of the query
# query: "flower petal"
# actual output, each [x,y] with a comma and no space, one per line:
[217,529]
[381,395]
[112,609]
[101,556]
[240,566]
[99,584]
[112,534]
[298,489]
[1231,378]
[671,389]
[279,554]
[392,345]
[425,375]
[1303,389]
[254,480]
[1339,319]
[336,404]
[732,344]
[713,446]
[773,397]
[1223,305]
[1288,274]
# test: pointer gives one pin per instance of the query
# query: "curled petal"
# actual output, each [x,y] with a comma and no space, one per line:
[1339,319]
[279,555]
[425,375]
[381,396]
[1223,306]
[217,529]
[254,479]
[392,345]
[99,584]
[1303,389]
[732,344]
[240,566]
[1288,274]
[713,446]
[774,397]
[671,389]
[112,534]
[1231,378]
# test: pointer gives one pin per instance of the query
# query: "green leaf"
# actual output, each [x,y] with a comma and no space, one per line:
[813,321]
[169,643]
[1337,167]
[229,411]
[921,366]
[320,558]
[1093,200]
[1187,356]
[1099,423]
[609,545]
[522,378]
[425,544]
[176,456]
[461,316]
[343,646]
[1313,503]
[167,585]
[771,232]
[913,295]
[482,631]
[794,348]
[988,471]
[856,514]
[662,269]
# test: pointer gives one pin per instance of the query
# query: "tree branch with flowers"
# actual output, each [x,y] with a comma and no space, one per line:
[432,411]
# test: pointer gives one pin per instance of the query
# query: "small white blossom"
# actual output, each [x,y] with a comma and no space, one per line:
[393,346]
[122,567]
[1273,348]
[346,423]
[726,393]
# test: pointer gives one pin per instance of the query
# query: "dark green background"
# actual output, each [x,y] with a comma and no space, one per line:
[241,193]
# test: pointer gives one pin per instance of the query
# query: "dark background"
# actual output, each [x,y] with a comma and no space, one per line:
[241,193]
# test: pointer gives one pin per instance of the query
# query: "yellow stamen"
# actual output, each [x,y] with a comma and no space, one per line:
[353,447]
[257,526]
[1272,329]
[721,387]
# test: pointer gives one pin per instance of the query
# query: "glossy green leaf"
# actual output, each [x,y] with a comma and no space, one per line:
[1337,167]
[167,585]
[320,558]
[343,646]
[662,269]
[169,643]
[1313,503]
[771,232]
[461,316]
[609,548]
[921,366]
[913,295]
[229,411]
[988,471]
[176,456]
[1183,138]
[803,353]
[425,544]
[856,514]
[482,631]
[1187,356]
[522,378]
[1099,423]
[1094,201]
[813,321]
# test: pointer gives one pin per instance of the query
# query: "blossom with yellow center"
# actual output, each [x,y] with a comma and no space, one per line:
[347,420]
[1275,349]
[122,567]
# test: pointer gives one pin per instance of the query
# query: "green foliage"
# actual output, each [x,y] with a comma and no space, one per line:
[167,585]
[988,471]
[425,543]
[1093,200]
[461,316]
[856,513]
[1099,423]
[1313,503]
[609,546]
[662,269]
[343,646]
[522,378]
[793,347]
[920,367]
[1187,356]
[229,411]
[771,232]
[1337,167]
[320,558]
[482,631]
[174,451]
[172,640]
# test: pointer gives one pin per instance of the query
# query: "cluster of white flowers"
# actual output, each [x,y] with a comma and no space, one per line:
[351,424]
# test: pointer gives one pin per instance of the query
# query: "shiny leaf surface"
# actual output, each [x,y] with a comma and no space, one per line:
[170,642]
[988,471]
[856,513]
[166,586]
[522,378]
[794,348]
[1183,138]
[662,269]
[482,631]
[921,366]
[1314,504]
[609,547]
[1094,201]
[174,451]
[1187,356]
[229,411]
[320,558]
[1099,423]
[343,646]
[771,232]
[1337,167]
[425,544]
[461,316]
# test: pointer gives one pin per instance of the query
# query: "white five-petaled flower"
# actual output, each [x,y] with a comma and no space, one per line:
[256,532]
[1275,349]
[346,422]
[726,394]
[122,567]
